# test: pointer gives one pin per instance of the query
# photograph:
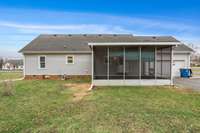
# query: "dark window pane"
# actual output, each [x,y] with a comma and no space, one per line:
[132,62]
[42,59]
[116,65]
[100,62]
[42,65]
[148,63]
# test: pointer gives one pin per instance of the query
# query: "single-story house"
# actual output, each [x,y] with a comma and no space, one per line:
[109,59]
[12,64]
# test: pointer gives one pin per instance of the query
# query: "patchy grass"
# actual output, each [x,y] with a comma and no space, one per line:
[10,75]
[47,106]
[196,71]
[7,88]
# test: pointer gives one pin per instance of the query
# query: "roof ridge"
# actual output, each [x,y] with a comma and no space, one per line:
[85,35]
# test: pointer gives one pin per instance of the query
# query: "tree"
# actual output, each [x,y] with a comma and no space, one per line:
[1,63]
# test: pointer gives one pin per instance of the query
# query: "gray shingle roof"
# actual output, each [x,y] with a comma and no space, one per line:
[183,48]
[79,42]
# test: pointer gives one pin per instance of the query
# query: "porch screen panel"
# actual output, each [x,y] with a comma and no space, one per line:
[163,62]
[132,62]
[100,62]
[147,63]
[116,62]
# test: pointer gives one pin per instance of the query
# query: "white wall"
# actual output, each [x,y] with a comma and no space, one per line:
[56,65]
[183,56]
[180,60]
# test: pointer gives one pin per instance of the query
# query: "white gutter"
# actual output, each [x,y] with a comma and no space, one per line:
[57,52]
[182,52]
[134,43]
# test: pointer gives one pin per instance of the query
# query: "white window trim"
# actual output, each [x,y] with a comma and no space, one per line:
[39,61]
[72,59]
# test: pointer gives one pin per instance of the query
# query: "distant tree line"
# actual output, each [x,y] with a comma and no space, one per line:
[10,64]
[1,63]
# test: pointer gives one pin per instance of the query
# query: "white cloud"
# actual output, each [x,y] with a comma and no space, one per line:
[67,28]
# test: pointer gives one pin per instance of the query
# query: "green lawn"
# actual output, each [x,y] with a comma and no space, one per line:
[10,75]
[45,106]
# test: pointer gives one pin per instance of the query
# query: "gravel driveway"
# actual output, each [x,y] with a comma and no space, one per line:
[191,83]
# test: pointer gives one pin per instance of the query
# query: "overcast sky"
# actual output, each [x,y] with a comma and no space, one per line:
[23,20]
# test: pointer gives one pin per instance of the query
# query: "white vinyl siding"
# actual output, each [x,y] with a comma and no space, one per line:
[180,60]
[56,65]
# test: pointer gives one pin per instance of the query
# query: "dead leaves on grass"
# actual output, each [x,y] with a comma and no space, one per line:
[81,90]
[8,88]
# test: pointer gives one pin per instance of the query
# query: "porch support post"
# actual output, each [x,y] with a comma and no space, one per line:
[92,64]
[108,55]
[140,64]
[155,64]
[124,63]
[171,68]
[161,62]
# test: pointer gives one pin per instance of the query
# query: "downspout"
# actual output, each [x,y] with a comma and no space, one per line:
[24,69]
[92,84]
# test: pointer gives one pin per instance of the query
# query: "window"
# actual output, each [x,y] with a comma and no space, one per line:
[42,62]
[70,60]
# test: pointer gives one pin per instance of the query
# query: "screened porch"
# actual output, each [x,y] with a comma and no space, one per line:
[132,63]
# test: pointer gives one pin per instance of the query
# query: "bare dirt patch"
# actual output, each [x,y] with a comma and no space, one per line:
[80,90]
[183,89]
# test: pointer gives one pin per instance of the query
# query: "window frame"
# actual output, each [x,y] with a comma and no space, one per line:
[72,59]
[39,62]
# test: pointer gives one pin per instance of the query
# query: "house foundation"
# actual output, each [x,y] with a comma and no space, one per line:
[56,77]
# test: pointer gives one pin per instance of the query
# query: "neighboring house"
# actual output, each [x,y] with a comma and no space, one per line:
[109,59]
[13,64]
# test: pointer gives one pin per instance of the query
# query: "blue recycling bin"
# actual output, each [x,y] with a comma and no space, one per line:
[185,72]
